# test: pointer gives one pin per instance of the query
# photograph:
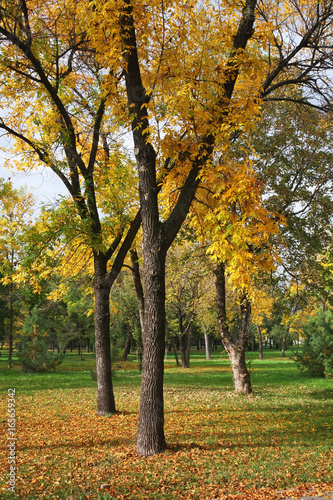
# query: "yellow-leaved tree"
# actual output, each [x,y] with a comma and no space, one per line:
[236,228]
[182,78]
[54,106]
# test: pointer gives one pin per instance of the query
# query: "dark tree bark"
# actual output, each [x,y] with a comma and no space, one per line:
[105,397]
[234,344]
[188,347]
[176,355]
[261,357]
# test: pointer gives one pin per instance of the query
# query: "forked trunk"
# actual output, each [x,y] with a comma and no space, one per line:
[239,370]
[105,396]
[235,347]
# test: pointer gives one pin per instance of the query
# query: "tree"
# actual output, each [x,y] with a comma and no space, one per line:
[158,235]
[261,310]
[316,356]
[157,75]
[193,117]
[185,287]
[16,207]
[33,355]
[46,57]
[295,164]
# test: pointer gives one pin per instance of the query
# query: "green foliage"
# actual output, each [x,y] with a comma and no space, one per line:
[116,353]
[277,333]
[33,355]
[316,356]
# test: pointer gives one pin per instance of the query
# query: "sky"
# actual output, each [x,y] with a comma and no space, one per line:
[42,182]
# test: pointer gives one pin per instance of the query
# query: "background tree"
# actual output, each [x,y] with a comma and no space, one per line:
[185,285]
[153,66]
[46,56]
[316,356]
[16,207]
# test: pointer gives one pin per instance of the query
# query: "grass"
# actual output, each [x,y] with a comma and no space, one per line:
[219,444]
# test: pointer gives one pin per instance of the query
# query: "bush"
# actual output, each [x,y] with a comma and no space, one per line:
[316,356]
[33,355]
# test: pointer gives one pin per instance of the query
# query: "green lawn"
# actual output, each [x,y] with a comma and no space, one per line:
[219,443]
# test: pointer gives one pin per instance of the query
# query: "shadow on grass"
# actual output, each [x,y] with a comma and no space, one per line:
[323,394]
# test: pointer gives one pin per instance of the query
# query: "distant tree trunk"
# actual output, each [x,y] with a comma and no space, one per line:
[184,337]
[261,357]
[207,344]
[284,343]
[141,302]
[105,396]
[11,324]
[188,348]
[235,347]
[182,349]
[127,346]
[176,355]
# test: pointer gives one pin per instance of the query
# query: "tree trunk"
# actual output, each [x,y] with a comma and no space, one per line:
[182,349]
[128,341]
[188,347]
[184,337]
[284,343]
[207,346]
[105,396]
[239,370]
[176,355]
[261,357]
[150,435]
[11,324]
[235,347]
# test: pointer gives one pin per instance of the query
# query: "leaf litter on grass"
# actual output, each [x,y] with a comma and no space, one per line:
[220,446]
